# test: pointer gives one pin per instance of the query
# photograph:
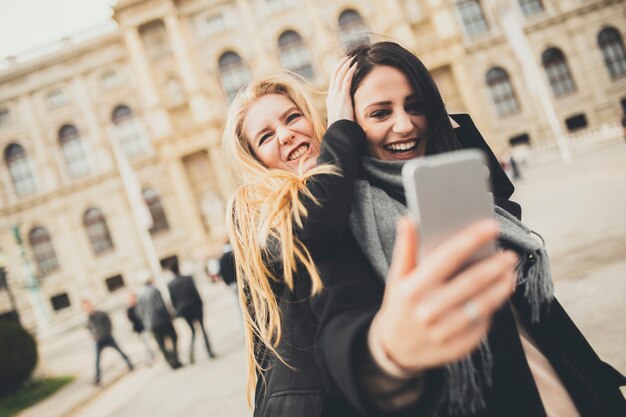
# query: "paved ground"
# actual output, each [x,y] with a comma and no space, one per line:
[579,208]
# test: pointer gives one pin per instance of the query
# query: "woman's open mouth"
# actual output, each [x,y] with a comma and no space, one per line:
[401,148]
[299,152]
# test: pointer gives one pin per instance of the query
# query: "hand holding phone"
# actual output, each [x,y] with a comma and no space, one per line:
[447,192]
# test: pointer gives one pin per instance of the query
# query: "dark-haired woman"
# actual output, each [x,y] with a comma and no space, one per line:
[533,360]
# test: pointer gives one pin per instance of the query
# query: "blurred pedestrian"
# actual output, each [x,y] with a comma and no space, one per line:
[156,318]
[227,267]
[188,305]
[100,327]
[138,327]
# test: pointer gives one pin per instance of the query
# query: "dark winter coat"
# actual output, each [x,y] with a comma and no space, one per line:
[326,381]
[99,325]
[185,297]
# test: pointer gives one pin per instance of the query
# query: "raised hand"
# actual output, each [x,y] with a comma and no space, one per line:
[433,314]
[338,100]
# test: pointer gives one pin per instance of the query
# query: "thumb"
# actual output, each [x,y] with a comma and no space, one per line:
[405,249]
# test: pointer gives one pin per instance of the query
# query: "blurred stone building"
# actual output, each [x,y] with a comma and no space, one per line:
[157,86]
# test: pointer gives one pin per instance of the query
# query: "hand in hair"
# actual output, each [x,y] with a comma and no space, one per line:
[338,101]
[432,313]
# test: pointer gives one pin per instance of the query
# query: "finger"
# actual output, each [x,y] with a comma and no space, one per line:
[466,342]
[458,321]
[404,257]
[347,81]
[470,284]
[333,72]
[341,73]
[448,257]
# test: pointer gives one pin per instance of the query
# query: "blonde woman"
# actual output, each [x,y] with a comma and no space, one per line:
[274,138]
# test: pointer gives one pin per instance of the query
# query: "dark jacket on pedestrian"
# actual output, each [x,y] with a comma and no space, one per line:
[99,325]
[151,308]
[227,267]
[184,296]
[135,320]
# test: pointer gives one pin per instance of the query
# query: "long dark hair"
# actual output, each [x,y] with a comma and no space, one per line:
[440,136]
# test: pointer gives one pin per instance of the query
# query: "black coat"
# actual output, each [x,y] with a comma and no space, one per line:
[326,381]
[353,295]
[298,389]
[185,297]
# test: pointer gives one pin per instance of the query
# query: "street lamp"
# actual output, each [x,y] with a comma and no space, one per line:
[4,285]
[32,283]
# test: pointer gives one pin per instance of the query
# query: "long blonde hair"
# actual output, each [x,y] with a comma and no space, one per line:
[262,215]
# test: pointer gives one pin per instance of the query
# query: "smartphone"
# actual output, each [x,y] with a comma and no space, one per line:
[447,192]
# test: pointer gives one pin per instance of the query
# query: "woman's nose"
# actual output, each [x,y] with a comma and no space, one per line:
[402,122]
[284,135]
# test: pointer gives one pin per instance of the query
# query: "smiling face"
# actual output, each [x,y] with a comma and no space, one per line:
[389,112]
[279,135]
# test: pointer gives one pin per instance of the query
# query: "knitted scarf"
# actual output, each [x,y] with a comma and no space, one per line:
[372,221]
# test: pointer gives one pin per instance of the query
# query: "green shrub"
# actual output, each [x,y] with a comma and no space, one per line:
[18,356]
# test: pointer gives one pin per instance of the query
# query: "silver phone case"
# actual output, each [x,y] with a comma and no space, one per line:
[446,193]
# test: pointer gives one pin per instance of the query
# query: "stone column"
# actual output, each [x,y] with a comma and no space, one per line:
[156,116]
[42,161]
[226,184]
[326,46]
[398,26]
[251,31]
[97,150]
[200,105]
[187,204]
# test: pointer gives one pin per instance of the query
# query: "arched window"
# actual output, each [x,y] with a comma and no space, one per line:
[19,166]
[502,92]
[154,37]
[612,46]
[472,16]
[153,201]
[530,7]
[97,231]
[233,73]
[352,29]
[294,55]
[128,131]
[73,151]
[558,72]
[42,247]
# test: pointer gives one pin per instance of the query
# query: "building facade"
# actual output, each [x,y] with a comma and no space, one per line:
[157,88]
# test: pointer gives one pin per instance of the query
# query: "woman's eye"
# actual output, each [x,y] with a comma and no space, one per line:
[293,116]
[379,114]
[265,137]
[414,108]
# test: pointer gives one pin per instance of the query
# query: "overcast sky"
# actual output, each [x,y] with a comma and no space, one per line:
[27,24]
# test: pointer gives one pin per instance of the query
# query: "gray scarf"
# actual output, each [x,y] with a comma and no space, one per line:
[372,221]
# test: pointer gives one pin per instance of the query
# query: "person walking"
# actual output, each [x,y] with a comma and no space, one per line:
[188,305]
[138,327]
[100,327]
[227,267]
[156,318]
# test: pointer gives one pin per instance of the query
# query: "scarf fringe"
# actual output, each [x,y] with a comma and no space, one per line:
[466,381]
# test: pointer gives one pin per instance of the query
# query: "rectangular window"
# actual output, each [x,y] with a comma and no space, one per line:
[110,80]
[208,25]
[472,16]
[56,98]
[60,301]
[5,117]
[277,5]
[576,122]
[114,283]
